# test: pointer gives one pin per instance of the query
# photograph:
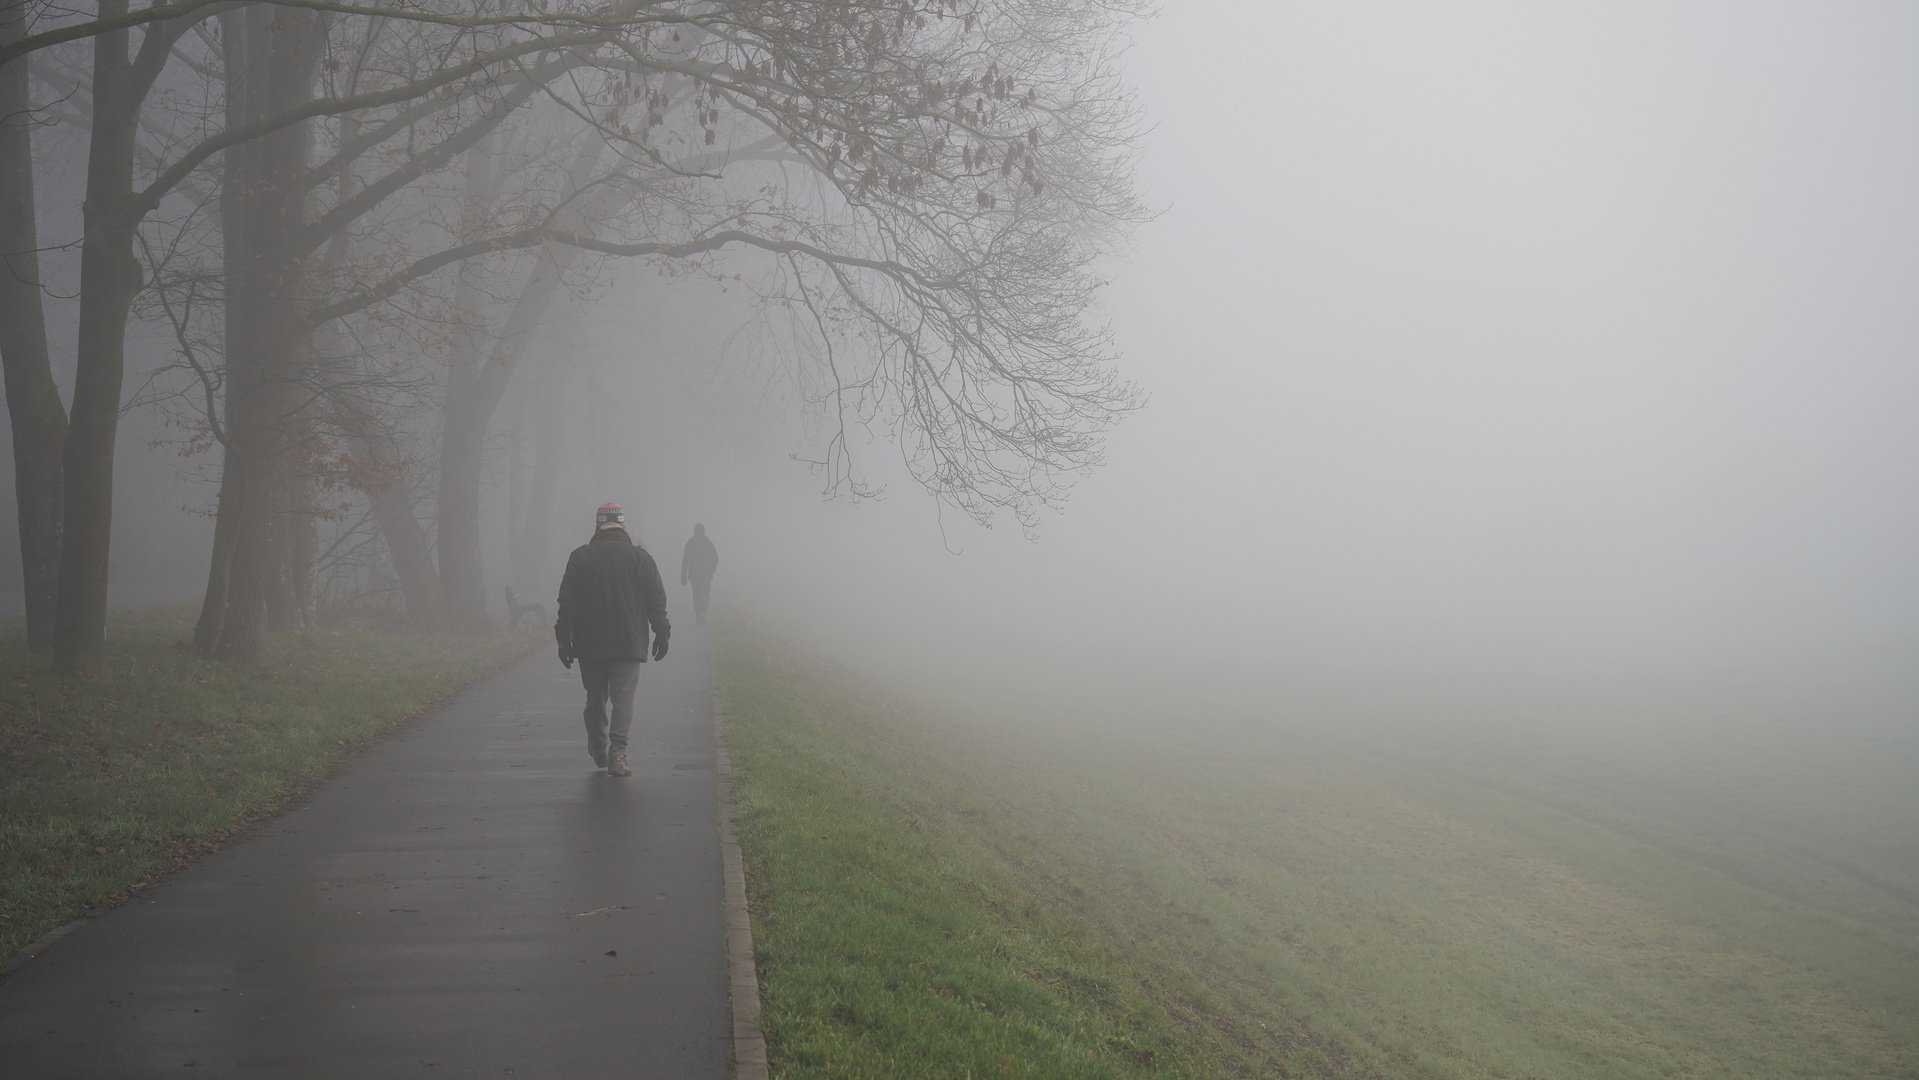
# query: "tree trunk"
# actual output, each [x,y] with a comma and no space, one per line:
[301,558]
[236,183]
[474,391]
[243,630]
[279,599]
[412,552]
[296,546]
[109,279]
[38,419]
[534,530]
[516,491]
[213,608]
[471,402]
[272,55]
[457,507]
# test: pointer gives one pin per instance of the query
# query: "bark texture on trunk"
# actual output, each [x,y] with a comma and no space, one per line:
[110,277]
[34,409]
[272,55]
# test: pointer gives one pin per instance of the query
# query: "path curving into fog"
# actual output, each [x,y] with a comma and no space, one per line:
[470,897]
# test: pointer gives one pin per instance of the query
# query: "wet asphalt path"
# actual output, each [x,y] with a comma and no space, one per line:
[470,897]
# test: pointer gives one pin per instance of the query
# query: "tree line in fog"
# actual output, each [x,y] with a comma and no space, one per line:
[350,223]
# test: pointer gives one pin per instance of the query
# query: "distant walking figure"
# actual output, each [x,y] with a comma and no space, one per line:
[609,597]
[697,564]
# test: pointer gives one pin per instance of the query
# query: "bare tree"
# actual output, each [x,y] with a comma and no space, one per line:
[926,186]
[119,197]
[911,216]
[530,523]
[38,419]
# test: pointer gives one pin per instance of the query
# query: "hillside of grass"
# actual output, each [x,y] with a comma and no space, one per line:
[106,782]
[1143,883]
[909,922]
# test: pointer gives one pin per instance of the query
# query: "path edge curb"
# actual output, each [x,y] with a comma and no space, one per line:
[749,1045]
[28,952]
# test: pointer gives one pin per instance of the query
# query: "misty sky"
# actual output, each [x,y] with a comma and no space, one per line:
[1501,335]
[1543,329]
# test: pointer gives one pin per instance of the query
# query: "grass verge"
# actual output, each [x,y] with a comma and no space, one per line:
[106,783]
[1022,883]
[909,922]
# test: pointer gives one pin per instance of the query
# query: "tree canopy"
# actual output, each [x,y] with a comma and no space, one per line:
[314,197]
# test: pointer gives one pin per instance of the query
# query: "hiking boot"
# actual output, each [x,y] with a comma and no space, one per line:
[616,764]
[599,755]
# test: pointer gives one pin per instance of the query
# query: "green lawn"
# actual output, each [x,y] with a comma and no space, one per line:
[1033,876]
[909,923]
[106,782]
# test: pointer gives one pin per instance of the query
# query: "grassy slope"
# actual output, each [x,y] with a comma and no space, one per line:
[105,782]
[1243,899]
[911,921]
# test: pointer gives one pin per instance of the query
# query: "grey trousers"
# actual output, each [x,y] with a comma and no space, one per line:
[609,682]
[702,595]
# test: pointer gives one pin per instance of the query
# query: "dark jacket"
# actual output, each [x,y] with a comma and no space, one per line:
[609,596]
[698,560]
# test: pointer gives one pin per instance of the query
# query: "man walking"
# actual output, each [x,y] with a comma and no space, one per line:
[609,597]
[697,564]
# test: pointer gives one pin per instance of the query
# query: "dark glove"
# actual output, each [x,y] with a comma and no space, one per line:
[566,657]
[659,647]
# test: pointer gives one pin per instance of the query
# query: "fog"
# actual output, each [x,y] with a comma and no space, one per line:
[1495,342]
[1311,539]
[1549,339]
[1492,341]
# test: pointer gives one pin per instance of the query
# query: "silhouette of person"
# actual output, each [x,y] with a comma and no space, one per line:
[697,563]
[609,597]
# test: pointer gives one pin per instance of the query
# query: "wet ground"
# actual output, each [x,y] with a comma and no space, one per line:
[470,897]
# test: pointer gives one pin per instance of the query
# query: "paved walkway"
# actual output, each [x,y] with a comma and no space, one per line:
[468,898]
